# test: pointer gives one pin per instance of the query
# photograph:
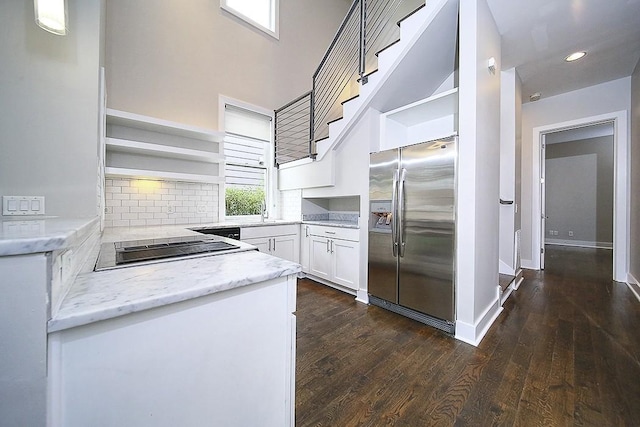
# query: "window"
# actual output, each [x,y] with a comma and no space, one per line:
[248,151]
[262,14]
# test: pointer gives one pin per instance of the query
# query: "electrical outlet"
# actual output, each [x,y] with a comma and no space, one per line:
[171,209]
[571,234]
[201,209]
[22,205]
[550,232]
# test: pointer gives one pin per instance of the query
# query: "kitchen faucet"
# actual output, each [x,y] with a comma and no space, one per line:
[263,210]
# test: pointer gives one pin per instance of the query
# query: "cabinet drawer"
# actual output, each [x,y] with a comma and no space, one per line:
[268,231]
[352,234]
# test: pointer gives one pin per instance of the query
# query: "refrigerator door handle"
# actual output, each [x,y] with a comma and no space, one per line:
[394,214]
[400,225]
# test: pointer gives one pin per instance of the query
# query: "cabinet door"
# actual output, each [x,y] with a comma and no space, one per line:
[305,242]
[285,247]
[345,259]
[262,243]
[320,257]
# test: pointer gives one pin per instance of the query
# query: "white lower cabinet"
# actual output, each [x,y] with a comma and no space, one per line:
[305,238]
[278,240]
[225,359]
[334,255]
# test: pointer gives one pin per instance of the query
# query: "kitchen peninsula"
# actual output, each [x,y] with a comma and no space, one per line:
[200,341]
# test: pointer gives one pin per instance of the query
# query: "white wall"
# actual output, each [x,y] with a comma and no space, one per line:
[478,173]
[23,340]
[172,59]
[352,179]
[510,142]
[634,191]
[49,103]
[579,192]
[592,101]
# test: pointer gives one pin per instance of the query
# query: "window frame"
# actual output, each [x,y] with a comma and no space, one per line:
[271,174]
[275,10]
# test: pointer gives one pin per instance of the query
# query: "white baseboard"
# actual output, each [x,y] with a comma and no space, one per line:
[517,283]
[634,285]
[505,295]
[505,268]
[332,285]
[362,296]
[473,334]
[579,243]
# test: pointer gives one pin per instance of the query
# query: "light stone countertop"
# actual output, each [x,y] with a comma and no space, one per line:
[101,295]
[95,296]
[107,294]
[333,223]
[29,235]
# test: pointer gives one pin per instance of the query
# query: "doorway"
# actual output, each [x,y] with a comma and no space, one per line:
[620,193]
[577,188]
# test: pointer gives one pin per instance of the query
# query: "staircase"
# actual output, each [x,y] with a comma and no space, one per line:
[408,65]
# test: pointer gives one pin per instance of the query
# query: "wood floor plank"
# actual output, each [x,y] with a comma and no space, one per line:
[565,351]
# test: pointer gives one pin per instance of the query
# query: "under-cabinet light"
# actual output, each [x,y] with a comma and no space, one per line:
[51,15]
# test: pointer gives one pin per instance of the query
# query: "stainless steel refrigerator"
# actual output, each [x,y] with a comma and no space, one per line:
[412,231]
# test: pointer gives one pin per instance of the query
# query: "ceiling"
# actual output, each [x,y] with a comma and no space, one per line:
[538,34]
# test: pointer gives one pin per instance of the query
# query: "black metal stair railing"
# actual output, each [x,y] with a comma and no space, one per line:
[292,130]
[369,27]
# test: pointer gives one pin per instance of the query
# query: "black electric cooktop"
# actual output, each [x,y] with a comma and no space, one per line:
[135,252]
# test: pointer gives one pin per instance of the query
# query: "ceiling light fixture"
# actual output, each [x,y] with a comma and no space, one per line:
[51,15]
[535,96]
[575,56]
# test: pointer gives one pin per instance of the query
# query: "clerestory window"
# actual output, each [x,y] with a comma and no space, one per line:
[262,14]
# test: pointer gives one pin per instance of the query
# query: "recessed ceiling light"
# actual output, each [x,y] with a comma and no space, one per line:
[575,56]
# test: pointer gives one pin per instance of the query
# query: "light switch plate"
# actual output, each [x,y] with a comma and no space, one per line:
[22,205]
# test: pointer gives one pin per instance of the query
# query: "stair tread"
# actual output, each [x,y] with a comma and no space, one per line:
[387,47]
[334,120]
[369,73]
[409,14]
[349,99]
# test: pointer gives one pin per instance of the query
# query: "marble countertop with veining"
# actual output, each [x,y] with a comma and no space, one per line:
[107,294]
[101,295]
[29,235]
[333,223]
[244,223]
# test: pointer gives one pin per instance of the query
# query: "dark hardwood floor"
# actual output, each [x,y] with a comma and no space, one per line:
[565,351]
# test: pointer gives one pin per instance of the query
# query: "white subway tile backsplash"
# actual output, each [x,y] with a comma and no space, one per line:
[291,204]
[130,203]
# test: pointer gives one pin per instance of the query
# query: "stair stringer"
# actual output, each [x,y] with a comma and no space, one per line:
[306,173]
[408,71]
[424,56]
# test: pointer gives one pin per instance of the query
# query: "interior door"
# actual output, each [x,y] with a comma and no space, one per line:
[543,198]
